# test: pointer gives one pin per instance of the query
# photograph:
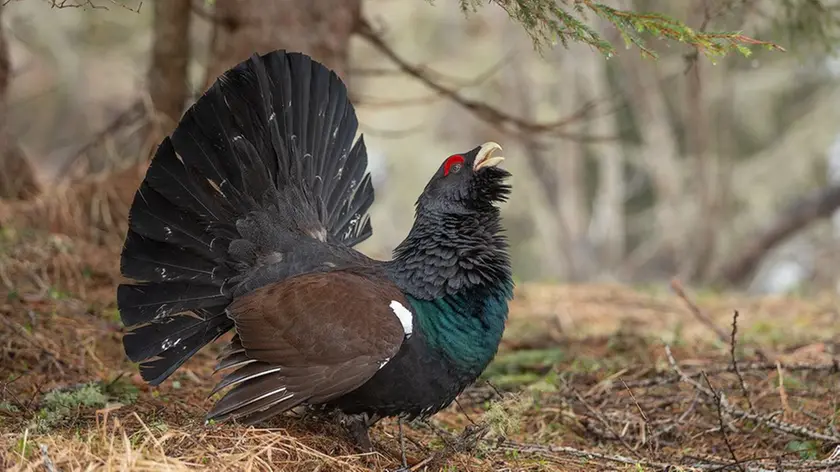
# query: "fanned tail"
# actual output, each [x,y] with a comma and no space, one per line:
[264,161]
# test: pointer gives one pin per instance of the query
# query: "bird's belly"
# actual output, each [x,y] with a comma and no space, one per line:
[414,383]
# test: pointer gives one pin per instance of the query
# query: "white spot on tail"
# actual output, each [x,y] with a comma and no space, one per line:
[168,343]
[382,363]
[404,316]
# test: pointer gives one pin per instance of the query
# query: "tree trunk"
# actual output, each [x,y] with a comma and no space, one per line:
[17,176]
[170,59]
[659,152]
[607,226]
[318,28]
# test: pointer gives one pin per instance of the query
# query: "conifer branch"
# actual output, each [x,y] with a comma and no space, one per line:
[551,21]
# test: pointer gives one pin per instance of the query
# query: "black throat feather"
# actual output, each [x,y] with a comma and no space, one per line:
[446,254]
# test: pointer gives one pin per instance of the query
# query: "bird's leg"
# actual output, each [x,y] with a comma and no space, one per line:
[402,444]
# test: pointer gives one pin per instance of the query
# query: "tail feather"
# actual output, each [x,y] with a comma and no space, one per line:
[153,217]
[156,302]
[264,158]
[148,259]
[153,339]
[180,346]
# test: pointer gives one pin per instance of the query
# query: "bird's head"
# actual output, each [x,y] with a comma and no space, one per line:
[466,183]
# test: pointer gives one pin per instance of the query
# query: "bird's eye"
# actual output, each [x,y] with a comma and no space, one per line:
[453,164]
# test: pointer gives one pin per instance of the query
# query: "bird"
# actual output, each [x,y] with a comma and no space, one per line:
[246,221]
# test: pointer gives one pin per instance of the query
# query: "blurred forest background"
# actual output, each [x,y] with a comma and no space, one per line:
[723,173]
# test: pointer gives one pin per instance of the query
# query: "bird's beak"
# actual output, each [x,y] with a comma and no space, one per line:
[485,156]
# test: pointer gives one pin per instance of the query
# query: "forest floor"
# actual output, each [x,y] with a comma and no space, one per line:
[588,378]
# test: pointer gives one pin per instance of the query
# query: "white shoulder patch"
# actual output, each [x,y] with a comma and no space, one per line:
[404,316]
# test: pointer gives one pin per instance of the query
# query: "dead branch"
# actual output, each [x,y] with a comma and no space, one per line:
[800,214]
[735,362]
[557,451]
[769,420]
[60,4]
[677,287]
[832,368]
[493,116]
[135,113]
[50,354]
[464,442]
[722,423]
[606,424]
[782,392]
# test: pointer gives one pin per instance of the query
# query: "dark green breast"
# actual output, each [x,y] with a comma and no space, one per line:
[466,328]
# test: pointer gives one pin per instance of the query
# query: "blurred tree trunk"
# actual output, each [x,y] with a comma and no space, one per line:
[170,60]
[711,184]
[607,228]
[319,28]
[17,176]
[557,165]
[568,96]
[659,151]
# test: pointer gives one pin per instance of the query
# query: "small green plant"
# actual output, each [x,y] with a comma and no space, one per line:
[805,449]
[24,447]
[121,390]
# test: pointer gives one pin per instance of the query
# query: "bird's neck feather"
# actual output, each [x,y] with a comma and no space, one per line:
[450,254]
[455,271]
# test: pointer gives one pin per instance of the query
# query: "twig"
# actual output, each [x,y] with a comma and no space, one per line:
[783,426]
[598,415]
[735,362]
[646,422]
[464,442]
[676,286]
[583,455]
[782,393]
[49,465]
[588,456]
[134,113]
[719,403]
[59,4]
[52,355]
[832,368]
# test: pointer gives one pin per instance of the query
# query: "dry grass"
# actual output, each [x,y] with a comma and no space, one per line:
[584,381]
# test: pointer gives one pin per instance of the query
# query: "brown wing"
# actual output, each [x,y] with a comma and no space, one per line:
[308,339]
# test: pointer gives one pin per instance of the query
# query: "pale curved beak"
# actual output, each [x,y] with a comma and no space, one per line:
[485,157]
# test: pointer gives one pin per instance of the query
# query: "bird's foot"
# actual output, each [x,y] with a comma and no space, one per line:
[357,427]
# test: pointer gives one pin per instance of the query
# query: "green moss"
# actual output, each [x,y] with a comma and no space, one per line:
[530,360]
[60,406]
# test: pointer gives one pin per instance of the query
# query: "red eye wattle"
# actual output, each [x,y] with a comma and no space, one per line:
[452,161]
